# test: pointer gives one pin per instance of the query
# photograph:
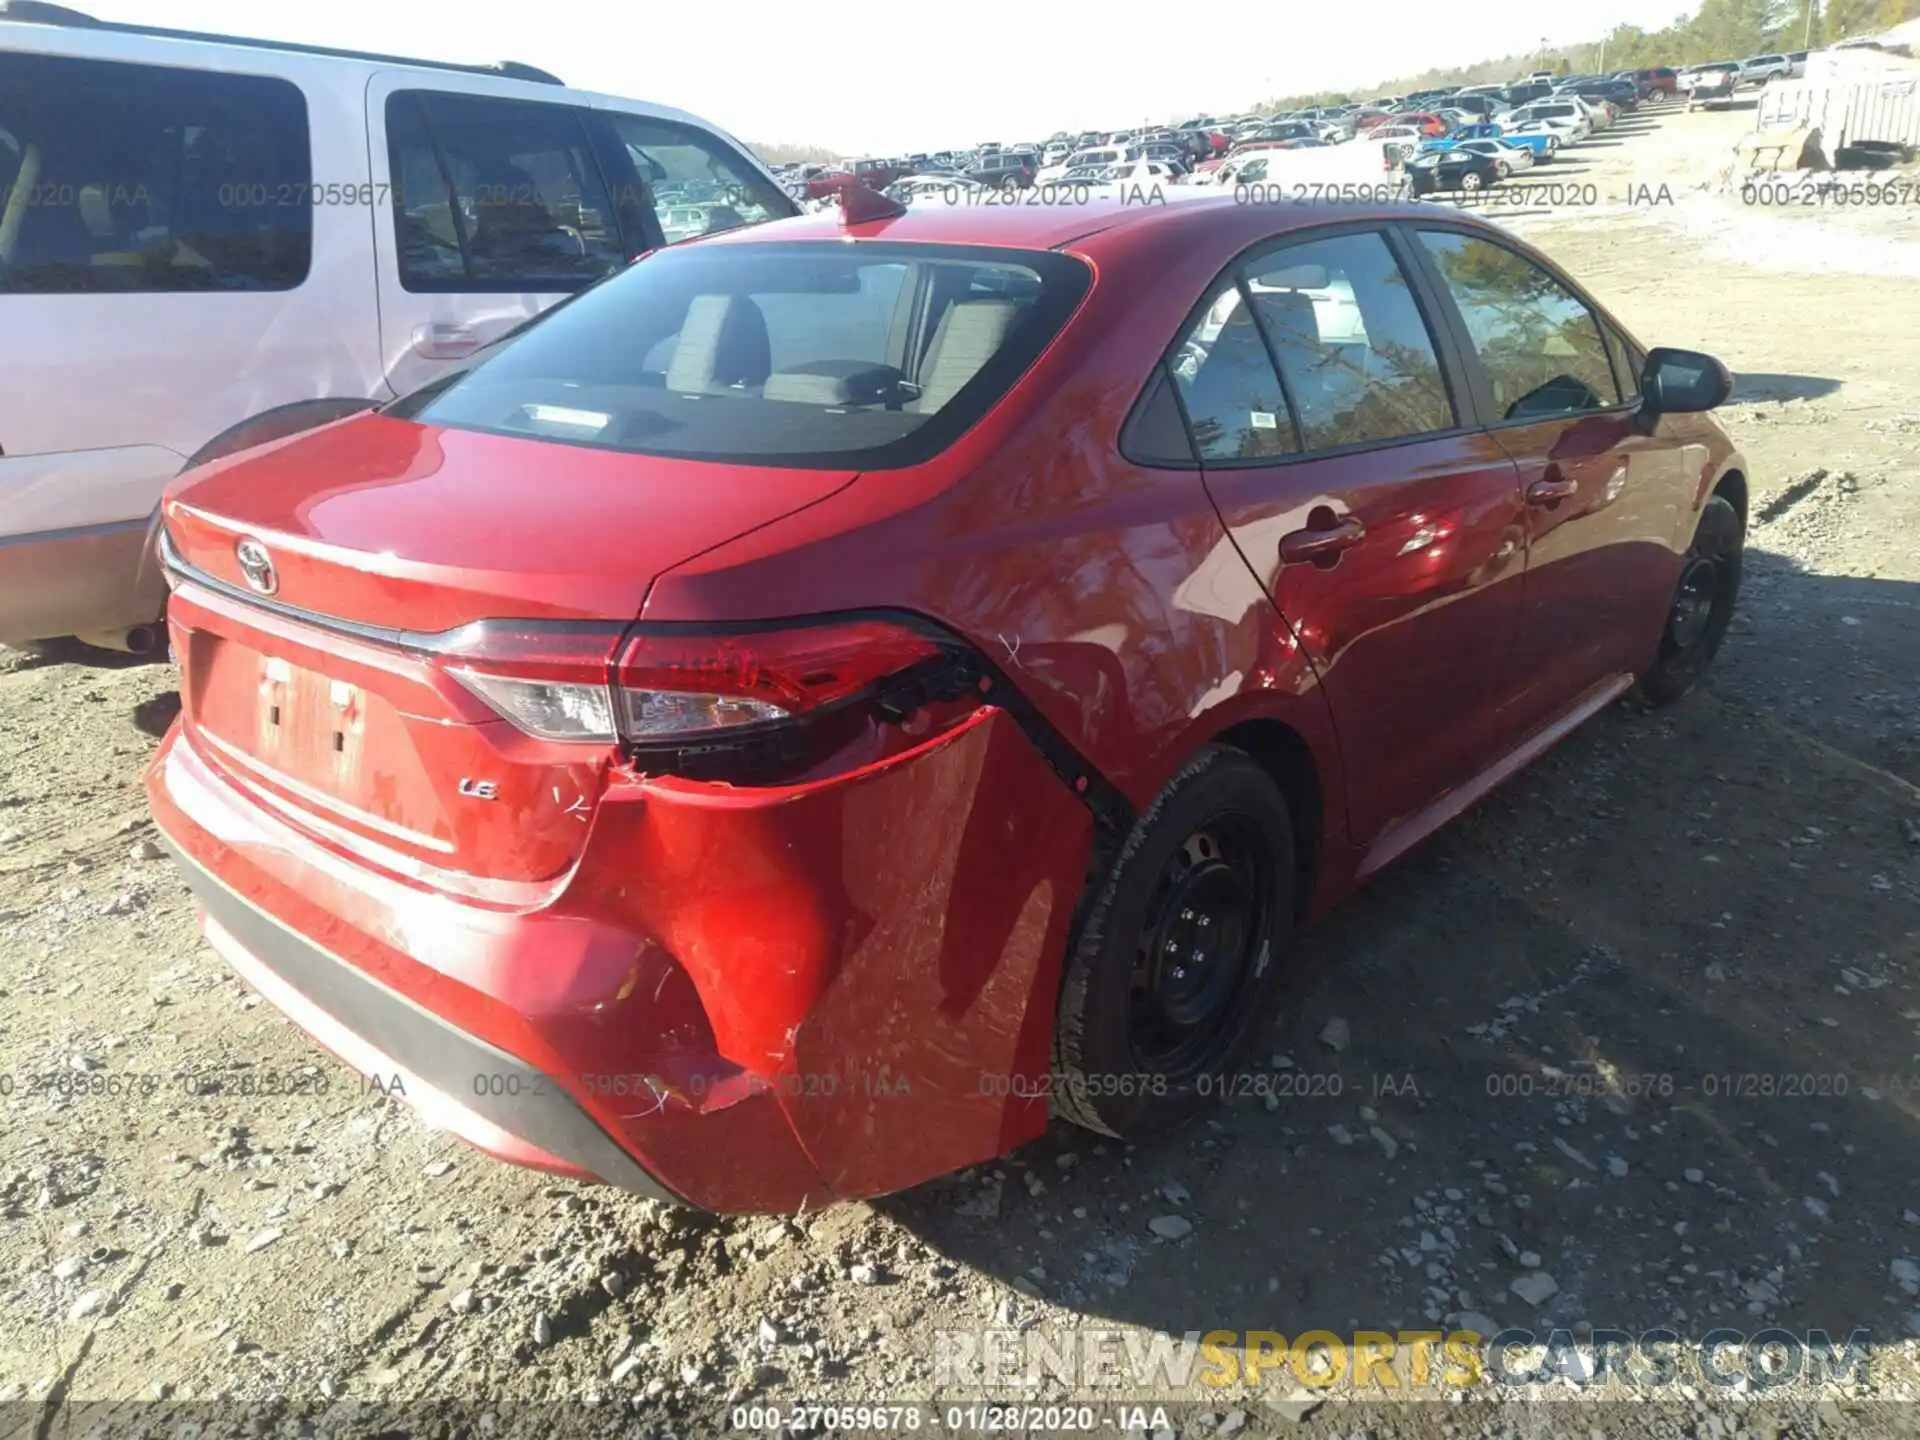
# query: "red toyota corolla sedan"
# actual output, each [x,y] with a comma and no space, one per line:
[808,706]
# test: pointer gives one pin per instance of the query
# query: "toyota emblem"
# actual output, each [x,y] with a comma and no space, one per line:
[257,566]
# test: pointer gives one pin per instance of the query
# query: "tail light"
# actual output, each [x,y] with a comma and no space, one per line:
[671,689]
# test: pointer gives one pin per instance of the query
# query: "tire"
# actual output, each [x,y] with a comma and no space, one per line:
[1140,1043]
[1471,181]
[1702,607]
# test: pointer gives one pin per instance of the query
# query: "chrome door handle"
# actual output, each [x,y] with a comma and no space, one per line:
[1551,491]
[1322,546]
[444,342]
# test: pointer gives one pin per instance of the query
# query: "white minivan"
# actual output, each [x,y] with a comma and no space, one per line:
[209,242]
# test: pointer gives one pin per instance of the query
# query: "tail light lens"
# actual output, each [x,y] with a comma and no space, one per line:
[672,686]
[664,687]
[548,680]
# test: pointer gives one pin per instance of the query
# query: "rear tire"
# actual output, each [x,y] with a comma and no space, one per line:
[1702,607]
[1176,970]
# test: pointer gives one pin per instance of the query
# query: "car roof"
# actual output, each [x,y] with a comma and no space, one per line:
[1088,228]
[84,37]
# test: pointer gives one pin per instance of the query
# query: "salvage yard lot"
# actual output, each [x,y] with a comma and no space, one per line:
[1652,1014]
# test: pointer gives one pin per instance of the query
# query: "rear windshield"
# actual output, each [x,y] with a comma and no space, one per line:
[866,355]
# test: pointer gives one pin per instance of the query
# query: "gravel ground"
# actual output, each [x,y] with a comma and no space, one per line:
[1634,1045]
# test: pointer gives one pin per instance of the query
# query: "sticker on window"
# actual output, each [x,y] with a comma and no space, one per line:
[1264,420]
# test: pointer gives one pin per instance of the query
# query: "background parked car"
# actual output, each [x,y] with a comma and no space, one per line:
[1653,82]
[1571,119]
[1005,169]
[1759,69]
[1508,157]
[877,174]
[1483,106]
[1447,170]
[1622,95]
[1711,84]
[245,239]
[1542,144]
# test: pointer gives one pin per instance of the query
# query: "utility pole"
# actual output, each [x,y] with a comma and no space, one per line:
[1806,37]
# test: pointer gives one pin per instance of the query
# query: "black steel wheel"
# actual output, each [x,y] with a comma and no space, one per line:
[1703,603]
[1175,971]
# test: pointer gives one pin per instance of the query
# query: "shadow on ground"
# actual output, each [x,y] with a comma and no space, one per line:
[1750,387]
[1643,1024]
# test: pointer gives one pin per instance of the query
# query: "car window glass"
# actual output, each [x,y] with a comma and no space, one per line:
[712,187]
[1155,434]
[12,152]
[496,194]
[1358,361]
[804,329]
[1541,348]
[148,178]
[1234,404]
[872,355]
[1628,362]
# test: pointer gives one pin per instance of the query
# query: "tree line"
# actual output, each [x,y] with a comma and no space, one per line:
[1719,30]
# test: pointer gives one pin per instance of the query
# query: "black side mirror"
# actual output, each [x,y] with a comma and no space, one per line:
[1682,382]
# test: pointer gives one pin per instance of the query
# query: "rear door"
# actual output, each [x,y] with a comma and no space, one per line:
[1603,490]
[1385,526]
[494,207]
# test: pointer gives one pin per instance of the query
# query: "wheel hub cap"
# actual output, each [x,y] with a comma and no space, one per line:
[1199,945]
[1198,942]
[1693,605]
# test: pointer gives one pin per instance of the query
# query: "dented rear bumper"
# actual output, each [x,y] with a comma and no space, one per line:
[742,999]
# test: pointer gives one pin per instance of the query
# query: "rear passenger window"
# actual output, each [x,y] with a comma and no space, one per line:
[1541,347]
[143,178]
[1154,433]
[1356,356]
[496,195]
[1225,377]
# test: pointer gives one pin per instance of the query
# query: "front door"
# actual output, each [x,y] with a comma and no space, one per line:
[1600,484]
[1385,527]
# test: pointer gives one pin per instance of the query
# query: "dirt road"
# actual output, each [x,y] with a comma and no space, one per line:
[1643,1025]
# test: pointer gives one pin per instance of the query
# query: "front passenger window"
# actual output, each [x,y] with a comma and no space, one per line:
[497,195]
[698,186]
[1540,346]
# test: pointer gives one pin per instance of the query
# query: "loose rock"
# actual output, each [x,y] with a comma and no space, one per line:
[1535,1287]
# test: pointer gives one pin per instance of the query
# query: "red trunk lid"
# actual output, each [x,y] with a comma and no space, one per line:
[382,525]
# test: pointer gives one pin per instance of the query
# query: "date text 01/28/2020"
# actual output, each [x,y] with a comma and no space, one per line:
[695,1086]
[980,1418]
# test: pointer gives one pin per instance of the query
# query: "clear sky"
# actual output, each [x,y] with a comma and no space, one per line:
[868,77]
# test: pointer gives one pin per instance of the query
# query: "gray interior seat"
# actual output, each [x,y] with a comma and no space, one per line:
[969,334]
[722,344]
